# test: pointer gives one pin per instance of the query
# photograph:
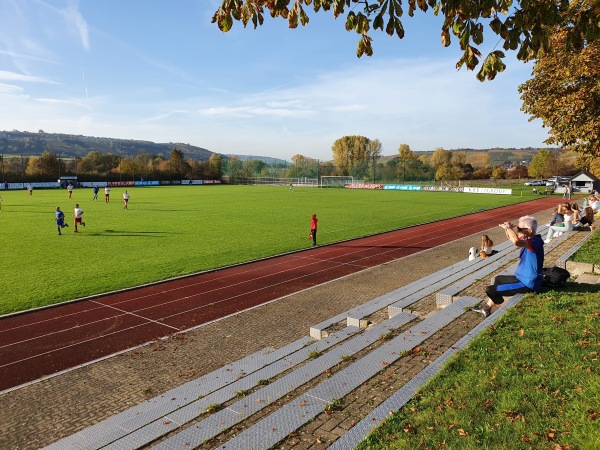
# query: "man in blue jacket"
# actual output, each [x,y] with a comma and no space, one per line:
[529,274]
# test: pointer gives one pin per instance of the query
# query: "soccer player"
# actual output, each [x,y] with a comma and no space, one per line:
[70,189]
[78,216]
[125,199]
[96,189]
[107,194]
[60,220]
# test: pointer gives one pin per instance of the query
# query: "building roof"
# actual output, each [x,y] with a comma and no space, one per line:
[585,175]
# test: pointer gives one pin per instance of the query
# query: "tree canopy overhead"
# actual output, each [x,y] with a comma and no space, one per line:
[565,94]
[522,25]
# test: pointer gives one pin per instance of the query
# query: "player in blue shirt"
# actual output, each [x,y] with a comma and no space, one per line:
[60,219]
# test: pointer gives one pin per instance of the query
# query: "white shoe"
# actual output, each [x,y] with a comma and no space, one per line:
[560,233]
[547,241]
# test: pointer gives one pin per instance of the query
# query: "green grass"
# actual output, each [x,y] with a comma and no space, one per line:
[172,231]
[531,381]
[589,252]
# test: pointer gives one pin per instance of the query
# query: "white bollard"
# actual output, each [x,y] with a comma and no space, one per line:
[472,253]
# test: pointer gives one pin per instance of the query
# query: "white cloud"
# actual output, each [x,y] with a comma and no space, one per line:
[13,76]
[9,88]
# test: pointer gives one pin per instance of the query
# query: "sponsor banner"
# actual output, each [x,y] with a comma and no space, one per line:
[147,183]
[92,183]
[120,183]
[484,190]
[402,187]
[211,181]
[50,184]
[363,186]
[190,182]
[444,188]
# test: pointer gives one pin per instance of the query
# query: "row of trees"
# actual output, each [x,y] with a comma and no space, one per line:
[361,158]
[106,166]
[356,156]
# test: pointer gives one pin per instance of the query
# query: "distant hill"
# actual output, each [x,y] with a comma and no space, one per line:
[265,159]
[498,156]
[69,145]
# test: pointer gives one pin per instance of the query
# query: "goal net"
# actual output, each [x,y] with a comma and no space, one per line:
[330,181]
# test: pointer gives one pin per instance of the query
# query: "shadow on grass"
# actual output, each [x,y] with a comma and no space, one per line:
[118,233]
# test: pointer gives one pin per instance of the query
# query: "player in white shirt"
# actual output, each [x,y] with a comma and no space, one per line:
[78,216]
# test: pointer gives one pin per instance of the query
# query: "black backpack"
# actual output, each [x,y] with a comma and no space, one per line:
[555,277]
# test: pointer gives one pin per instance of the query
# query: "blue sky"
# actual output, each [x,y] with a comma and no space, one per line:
[161,71]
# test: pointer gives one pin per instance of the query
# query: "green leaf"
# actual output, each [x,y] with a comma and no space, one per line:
[303,17]
[225,23]
[378,22]
[350,21]
[457,28]
[496,25]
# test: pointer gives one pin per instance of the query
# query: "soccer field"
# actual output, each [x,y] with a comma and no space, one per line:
[173,231]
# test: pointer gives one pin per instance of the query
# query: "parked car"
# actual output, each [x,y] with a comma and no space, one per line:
[536,183]
[559,179]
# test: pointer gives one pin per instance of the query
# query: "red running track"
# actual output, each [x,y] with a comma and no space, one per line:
[43,342]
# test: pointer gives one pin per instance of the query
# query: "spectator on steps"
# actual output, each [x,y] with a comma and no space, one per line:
[587,218]
[556,217]
[567,225]
[576,214]
[594,203]
[528,276]
[486,247]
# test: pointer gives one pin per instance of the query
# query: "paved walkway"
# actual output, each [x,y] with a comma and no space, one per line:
[44,412]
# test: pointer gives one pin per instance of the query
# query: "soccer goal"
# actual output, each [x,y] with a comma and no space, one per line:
[330,181]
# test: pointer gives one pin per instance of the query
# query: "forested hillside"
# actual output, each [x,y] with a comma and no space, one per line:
[23,143]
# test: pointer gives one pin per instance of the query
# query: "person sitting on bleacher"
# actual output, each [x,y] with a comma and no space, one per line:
[594,203]
[576,214]
[567,225]
[557,217]
[587,218]
[528,276]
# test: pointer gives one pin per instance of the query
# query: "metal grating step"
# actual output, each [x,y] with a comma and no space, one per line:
[418,289]
[358,432]
[154,428]
[355,316]
[205,429]
[140,415]
[267,432]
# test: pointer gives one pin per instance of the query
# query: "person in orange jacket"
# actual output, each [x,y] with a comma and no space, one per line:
[313,229]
